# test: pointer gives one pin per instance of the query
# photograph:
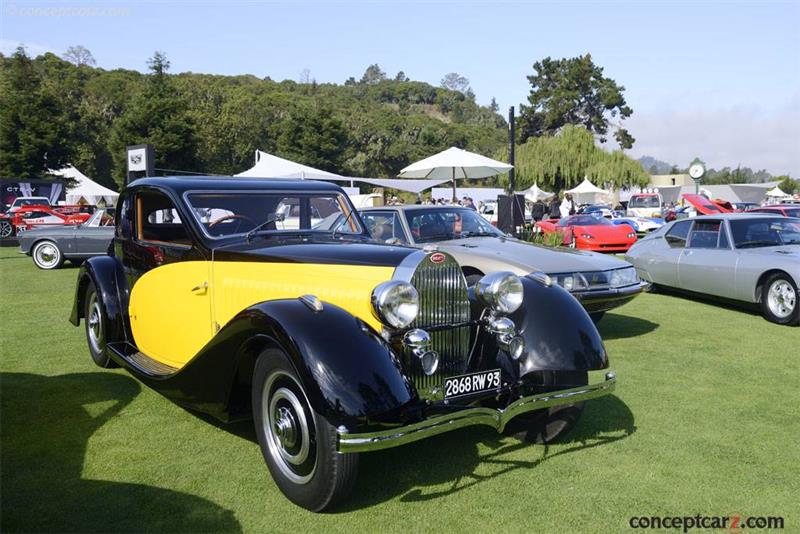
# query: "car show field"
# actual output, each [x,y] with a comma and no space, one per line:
[703,421]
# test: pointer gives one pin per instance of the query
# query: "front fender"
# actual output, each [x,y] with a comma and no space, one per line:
[106,273]
[559,334]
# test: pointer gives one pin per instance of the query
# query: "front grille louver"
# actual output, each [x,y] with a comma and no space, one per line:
[443,301]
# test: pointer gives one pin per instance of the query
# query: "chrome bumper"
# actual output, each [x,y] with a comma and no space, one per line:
[495,418]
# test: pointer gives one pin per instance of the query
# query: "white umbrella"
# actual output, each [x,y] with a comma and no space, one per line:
[455,163]
[533,193]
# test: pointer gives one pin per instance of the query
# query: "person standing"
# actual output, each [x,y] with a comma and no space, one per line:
[538,209]
[567,206]
[555,208]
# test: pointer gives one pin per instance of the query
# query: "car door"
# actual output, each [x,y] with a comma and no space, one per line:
[661,262]
[708,264]
[169,308]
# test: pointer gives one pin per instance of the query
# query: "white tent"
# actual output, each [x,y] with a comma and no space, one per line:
[586,192]
[533,193]
[86,191]
[776,192]
[269,166]
[454,163]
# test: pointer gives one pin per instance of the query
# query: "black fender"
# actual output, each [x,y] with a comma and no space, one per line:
[107,275]
[349,373]
[559,334]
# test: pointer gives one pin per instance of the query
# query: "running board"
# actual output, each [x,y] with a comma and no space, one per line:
[141,362]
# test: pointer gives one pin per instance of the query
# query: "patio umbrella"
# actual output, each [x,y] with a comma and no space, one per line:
[455,163]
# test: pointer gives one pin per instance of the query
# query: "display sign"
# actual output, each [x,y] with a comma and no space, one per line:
[137,159]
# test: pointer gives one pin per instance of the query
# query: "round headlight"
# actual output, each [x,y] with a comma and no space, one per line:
[395,303]
[501,292]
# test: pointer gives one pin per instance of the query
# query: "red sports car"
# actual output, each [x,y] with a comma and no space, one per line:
[787,210]
[705,206]
[28,217]
[588,232]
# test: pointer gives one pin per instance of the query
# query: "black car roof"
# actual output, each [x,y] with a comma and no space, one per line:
[181,184]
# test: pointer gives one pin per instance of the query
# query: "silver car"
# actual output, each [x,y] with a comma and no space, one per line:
[599,281]
[753,258]
[49,247]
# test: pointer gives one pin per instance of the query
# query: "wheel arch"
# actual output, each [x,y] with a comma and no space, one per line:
[105,273]
[762,279]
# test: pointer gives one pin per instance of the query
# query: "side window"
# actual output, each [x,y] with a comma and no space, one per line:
[676,236]
[124,216]
[157,220]
[705,234]
[384,226]
[723,237]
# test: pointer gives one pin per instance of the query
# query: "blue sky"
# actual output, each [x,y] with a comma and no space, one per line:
[716,79]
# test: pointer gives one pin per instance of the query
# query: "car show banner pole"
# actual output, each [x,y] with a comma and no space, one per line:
[511,127]
[141,162]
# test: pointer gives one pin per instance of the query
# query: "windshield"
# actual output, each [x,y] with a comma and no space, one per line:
[444,224]
[99,218]
[31,201]
[225,214]
[753,233]
[585,220]
[650,201]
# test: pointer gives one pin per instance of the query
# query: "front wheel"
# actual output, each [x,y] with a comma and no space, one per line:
[96,328]
[779,300]
[550,424]
[6,229]
[298,444]
[47,255]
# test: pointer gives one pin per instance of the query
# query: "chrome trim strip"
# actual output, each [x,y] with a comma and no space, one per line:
[495,418]
[405,271]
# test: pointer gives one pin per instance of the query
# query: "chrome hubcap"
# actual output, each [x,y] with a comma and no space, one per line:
[95,323]
[781,299]
[287,428]
[47,255]
[5,229]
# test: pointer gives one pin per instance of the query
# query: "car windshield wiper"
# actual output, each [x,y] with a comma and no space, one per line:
[343,222]
[275,217]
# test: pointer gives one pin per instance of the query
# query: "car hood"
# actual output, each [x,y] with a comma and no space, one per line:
[527,257]
[311,251]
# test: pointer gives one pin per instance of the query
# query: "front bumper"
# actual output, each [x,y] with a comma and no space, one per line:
[496,418]
[608,299]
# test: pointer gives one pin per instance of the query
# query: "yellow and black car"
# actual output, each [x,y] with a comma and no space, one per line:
[267,298]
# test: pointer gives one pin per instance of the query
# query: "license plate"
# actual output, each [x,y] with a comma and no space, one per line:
[456,386]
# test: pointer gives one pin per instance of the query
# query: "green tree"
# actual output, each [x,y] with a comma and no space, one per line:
[573,91]
[788,184]
[314,136]
[373,75]
[158,116]
[455,82]
[33,135]
[564,160]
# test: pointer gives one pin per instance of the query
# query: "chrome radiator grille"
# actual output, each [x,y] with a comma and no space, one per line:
[442,301]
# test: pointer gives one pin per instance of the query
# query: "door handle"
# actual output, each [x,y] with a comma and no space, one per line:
[201,287]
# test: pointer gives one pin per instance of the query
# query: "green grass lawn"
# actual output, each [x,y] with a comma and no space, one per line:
[705,420]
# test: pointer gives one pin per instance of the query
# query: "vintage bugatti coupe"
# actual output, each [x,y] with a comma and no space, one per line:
[334,344]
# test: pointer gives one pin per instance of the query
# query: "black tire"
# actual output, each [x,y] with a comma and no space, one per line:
[46,255]
[549,424]
[306,467]
[96,323]
[780,301]
[597,316]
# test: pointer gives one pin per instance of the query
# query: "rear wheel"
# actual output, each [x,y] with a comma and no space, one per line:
[550,424]
[779,300]
[47,255]
[96,328]
[6,229]
[298,444]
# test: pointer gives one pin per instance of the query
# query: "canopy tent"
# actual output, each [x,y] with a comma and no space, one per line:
[586,192]
[86,190]
[477,194]
[269,166]
[776,192]
[455,163]
[412,186]
[533,193]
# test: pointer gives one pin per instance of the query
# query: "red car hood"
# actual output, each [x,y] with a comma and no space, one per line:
[604,231]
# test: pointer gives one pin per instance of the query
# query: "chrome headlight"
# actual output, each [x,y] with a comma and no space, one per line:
[395,303]
[501,292]
[623,277]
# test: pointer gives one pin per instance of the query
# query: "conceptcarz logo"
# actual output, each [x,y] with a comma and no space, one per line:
[731,523]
